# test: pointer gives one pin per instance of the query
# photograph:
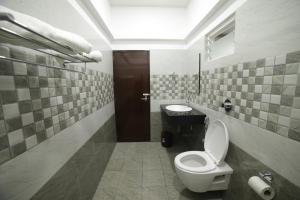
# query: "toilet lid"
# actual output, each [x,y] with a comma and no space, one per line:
[216,141]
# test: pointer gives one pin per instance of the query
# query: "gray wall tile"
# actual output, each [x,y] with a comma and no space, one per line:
[7,83]
[21,81]
[25,104]
[275,92]
[6,67]
[8,96]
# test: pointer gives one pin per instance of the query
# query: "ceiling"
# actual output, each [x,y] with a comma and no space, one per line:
[134,23]
[150,3]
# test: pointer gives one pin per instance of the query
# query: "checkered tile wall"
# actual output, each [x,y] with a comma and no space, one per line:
[172,86]
[37,102]
[264,93]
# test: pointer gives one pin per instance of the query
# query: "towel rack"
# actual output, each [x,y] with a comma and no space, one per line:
[49,47]
[45,65]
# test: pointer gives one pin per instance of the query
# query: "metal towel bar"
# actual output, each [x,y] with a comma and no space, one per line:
[48,66]
[57,49]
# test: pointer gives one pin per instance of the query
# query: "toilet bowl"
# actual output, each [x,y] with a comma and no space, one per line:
[202,171]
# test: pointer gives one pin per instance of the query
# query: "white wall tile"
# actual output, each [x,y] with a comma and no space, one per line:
[282,130]
[285,121]
[270,61]
[265,98]
[254,121]
[20,68]
[246,73]
[15,137]
[290,79]
[23,94]
[27,118]
[5,51]
[55,119]
[244,88]
[47,112]
[42,71]
[11,110]
[258,88]
[275,99]
[44,92]
[59,100]
[263,115]
[281,59]
[268,80]
[296,103]
[239,81]
[49,132]
[256,105]
[31,141]
[243,102]
[53,101]
[260,71]
[295,113]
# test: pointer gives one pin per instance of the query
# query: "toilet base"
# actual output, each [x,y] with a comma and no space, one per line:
[220,183]
[210,181]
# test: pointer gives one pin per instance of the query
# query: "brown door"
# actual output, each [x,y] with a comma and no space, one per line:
[131,88]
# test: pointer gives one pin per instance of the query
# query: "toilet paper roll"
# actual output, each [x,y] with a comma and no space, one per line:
[264,190]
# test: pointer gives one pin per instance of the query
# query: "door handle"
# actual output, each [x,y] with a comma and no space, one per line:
[145,98]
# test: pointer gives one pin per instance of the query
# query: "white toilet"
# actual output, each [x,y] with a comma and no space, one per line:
[202,171]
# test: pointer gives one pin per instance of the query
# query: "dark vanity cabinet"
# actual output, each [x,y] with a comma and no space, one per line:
[182,127]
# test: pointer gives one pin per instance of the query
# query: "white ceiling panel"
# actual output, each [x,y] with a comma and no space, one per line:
[150,19]
[159,3]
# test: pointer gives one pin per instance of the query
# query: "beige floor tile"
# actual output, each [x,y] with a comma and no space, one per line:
[115,164]
[153,178]
[143,171]
[171,178]
[151,163]
[182,193]
[127,193]
[131,179]
[133,163]
[110,179]
[105,194]
[167,164]
[155,193]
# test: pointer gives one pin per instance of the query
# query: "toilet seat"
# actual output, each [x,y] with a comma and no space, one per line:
[195,161]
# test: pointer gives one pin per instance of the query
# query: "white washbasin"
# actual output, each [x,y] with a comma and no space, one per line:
[179,108]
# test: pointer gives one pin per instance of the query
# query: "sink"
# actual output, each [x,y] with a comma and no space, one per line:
[178,108]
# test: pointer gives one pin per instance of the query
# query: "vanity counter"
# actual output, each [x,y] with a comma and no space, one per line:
[189,117]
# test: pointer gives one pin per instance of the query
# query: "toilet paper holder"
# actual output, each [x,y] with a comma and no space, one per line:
[266,175]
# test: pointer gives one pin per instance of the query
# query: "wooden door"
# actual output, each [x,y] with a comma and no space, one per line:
[132,100]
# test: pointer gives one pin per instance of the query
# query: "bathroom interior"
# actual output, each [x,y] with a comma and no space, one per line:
[149,99]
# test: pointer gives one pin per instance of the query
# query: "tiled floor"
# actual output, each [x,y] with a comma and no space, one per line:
[143,171]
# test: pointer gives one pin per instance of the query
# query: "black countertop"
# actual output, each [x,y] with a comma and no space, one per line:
[193,116]
[193,112]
